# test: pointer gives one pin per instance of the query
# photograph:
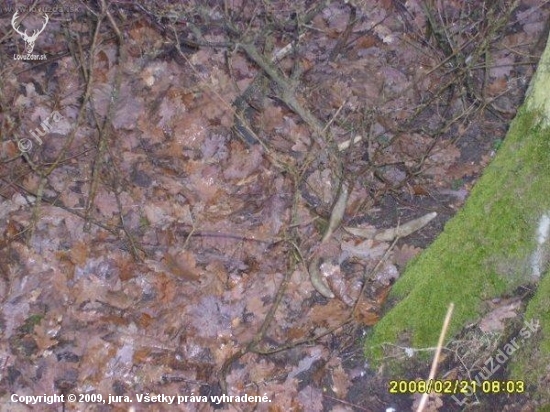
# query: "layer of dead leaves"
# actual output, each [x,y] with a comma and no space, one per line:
[194,231]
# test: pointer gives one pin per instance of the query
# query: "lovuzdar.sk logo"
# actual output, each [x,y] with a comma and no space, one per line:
[29,39]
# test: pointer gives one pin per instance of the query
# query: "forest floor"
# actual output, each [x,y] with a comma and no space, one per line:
[169,173]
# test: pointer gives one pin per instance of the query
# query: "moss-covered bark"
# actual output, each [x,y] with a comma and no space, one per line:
[487,248]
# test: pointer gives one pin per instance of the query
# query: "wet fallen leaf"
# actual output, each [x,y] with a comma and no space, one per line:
[494,321]
[182,265]
[79,253]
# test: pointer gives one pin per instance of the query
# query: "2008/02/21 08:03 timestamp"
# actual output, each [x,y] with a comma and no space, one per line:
[453,387]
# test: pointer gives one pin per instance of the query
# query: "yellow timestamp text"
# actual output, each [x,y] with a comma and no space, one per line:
[455,386]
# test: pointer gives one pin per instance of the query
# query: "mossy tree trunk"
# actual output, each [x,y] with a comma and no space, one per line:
[496,243]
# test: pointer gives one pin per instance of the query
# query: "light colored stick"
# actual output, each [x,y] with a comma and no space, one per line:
[433,369]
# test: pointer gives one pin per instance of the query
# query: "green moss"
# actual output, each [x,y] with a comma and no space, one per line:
[144,222]
[484,250]
[30,323]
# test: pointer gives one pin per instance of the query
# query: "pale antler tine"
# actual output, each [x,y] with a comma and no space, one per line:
[15,25]
[37,32]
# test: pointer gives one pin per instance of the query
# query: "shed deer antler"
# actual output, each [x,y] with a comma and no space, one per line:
[29,40]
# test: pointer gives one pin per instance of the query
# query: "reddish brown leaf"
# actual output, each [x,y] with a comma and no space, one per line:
[79,253]
[182,265]
[331,314]
[340,381]
[365,313]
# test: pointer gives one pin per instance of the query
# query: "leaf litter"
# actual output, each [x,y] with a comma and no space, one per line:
[195,232]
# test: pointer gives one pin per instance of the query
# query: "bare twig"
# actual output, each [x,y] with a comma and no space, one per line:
[435,361]
[105,128]
[61,156]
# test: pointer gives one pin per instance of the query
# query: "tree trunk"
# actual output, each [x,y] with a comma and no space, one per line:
[498,242]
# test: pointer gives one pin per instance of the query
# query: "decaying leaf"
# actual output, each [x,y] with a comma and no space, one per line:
[494,321]
[182,265]
[340,381]
[401,255]
[331,314]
